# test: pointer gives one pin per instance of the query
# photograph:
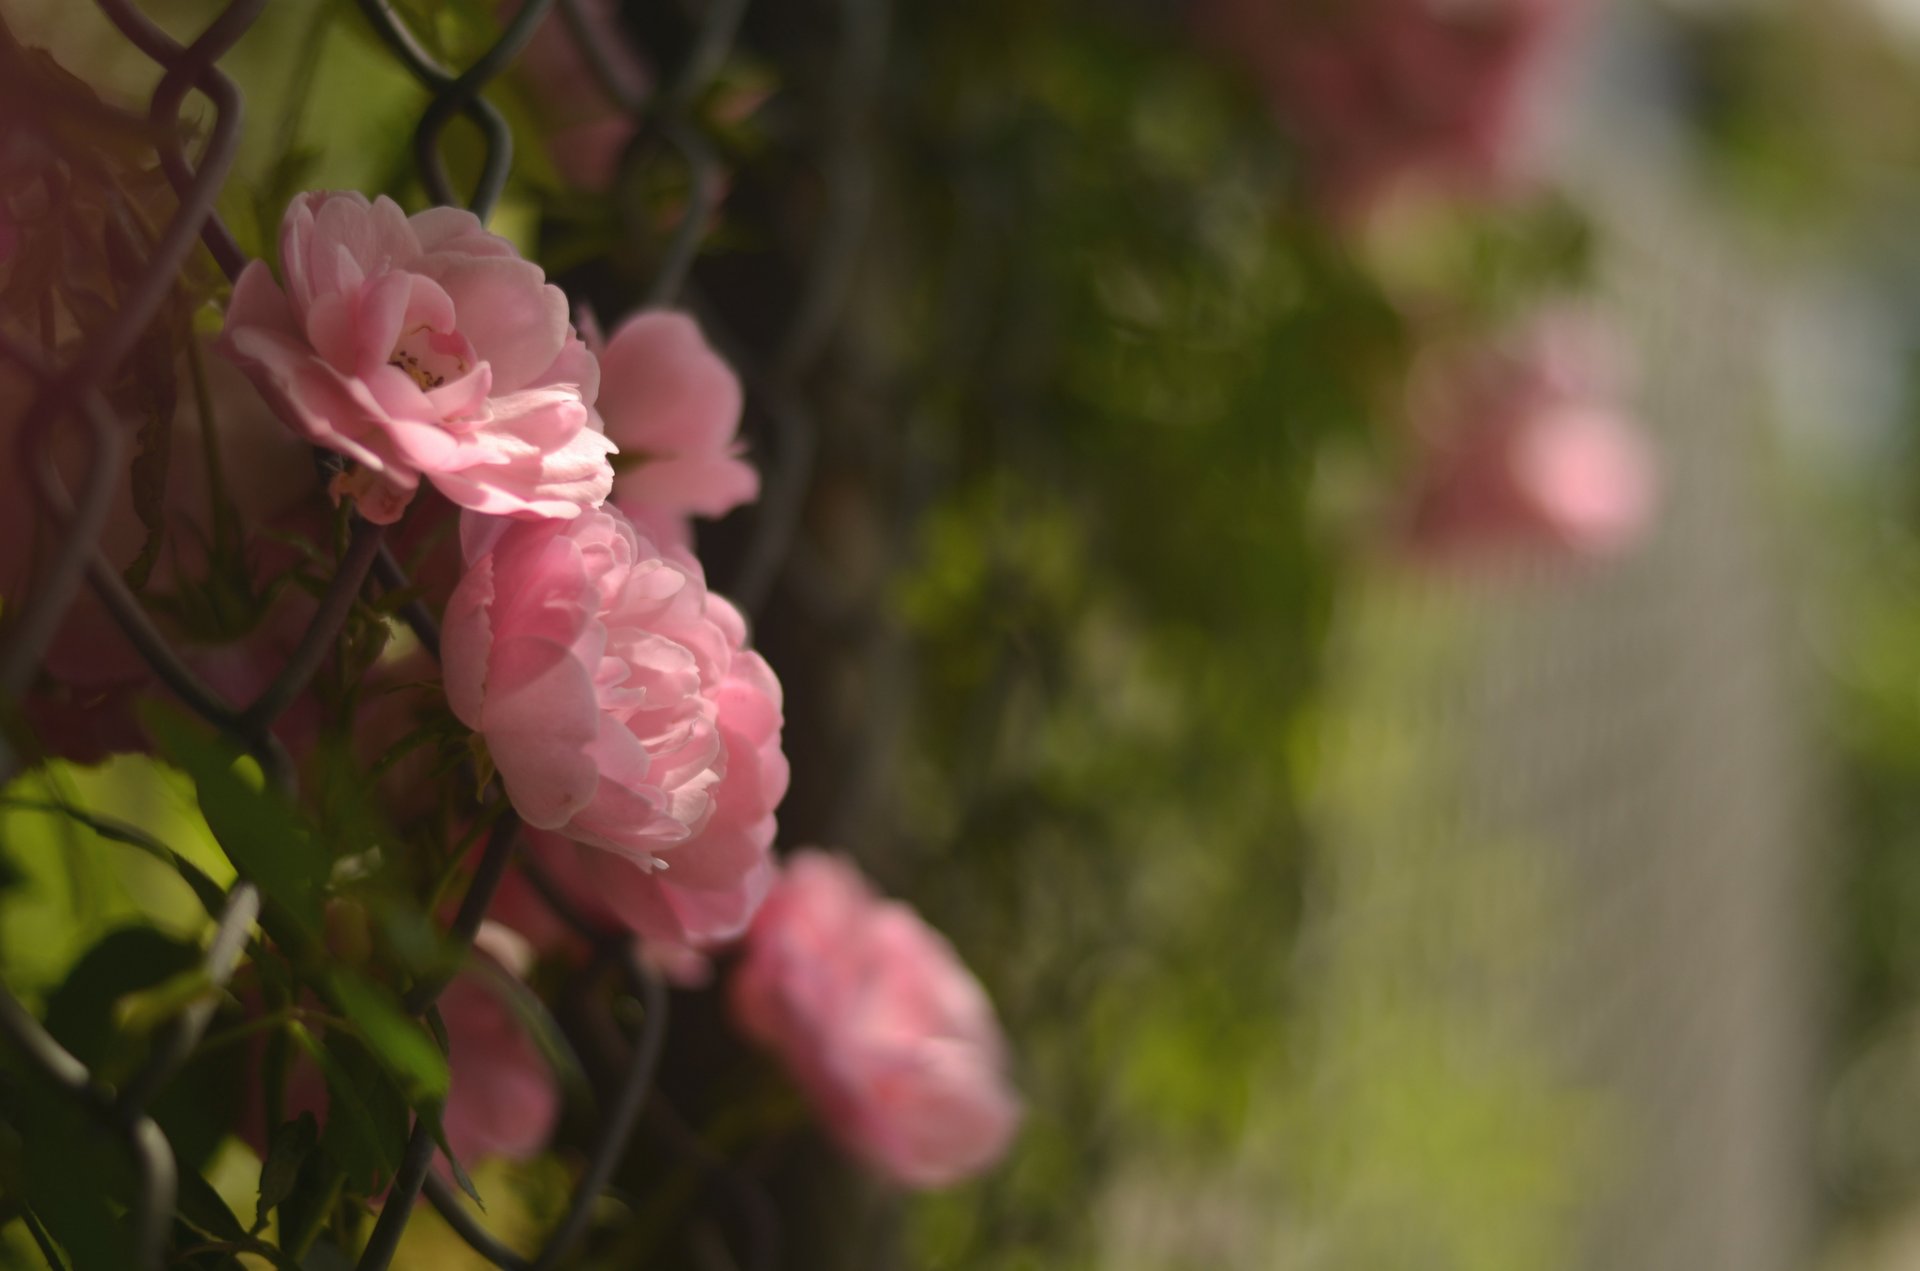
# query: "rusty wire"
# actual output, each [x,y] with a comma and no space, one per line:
[71,391]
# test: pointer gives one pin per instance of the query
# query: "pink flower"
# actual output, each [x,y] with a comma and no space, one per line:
[1525,446]
[503,1100]
[879,1023]
[1380,93]
[422,346]
[662,909]
[619,703]
[673,407]
[586,128]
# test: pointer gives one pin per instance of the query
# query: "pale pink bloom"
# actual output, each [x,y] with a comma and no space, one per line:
[654,904]
[672,405]
[879,1022]
[1525,445]
[422,346]
[616,696]
[1380,94]
[503,1100]
[586,129]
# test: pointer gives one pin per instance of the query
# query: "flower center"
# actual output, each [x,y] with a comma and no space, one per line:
[431,357]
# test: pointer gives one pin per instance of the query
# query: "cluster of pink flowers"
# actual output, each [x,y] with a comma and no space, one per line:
[1384,93]
[635,732]
[1523,444]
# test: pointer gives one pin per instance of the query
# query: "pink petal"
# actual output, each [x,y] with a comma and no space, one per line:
[539,718]
[516,321]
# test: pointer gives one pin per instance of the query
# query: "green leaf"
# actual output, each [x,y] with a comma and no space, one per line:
[140,1012]
[212,897]
[73,1189]
[287,1150]
[81,1012]
[262,833]
[366,1129]
[399,1042]
[431,1117]
[84,1014]
[205,1211]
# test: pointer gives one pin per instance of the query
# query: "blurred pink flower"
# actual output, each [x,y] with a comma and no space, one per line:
[82,708]
[422,346]
[1524,445]
[1379,93]
[586,128]
[616,697]
[503,1100]
[672,405]
[880,1024]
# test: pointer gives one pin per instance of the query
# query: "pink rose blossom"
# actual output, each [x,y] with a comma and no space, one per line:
[672,405]
[1525,446]
[620,706]
[880,1024]
[1381,93]
[422,346]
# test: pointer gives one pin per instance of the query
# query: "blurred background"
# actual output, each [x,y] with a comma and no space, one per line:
[1360,557]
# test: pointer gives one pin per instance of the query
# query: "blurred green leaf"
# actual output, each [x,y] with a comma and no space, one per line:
[460,1178]
[263,834]
[210,894]
[288,1148]
[140,1013]
[366,1128]
[82,1014]
[204,1210]
[399,1042]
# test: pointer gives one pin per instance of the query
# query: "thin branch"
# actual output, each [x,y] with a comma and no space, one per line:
[473,905]
[336,603]
[446,1202]
[621,1118]
[398,1208]
[393,577]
